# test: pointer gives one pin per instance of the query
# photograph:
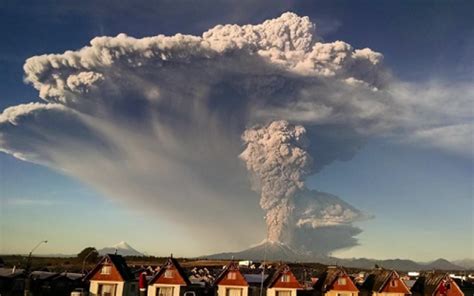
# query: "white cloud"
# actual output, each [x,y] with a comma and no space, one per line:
[457,139]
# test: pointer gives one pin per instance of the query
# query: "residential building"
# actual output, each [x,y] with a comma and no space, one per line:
[436,284]
[335,282]
[170,280]
[231,282]
[112,277]
[383,282]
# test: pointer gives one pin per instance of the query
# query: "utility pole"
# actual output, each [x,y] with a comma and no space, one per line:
[264,265]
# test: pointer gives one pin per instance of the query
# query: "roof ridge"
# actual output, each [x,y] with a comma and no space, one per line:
[171,261]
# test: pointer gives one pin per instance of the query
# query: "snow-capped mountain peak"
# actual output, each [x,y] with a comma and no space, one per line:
[122,245]
[122,248]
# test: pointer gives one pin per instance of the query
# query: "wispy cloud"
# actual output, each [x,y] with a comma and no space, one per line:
[29,202]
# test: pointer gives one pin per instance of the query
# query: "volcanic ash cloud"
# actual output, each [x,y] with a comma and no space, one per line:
[157,124]
[276,156]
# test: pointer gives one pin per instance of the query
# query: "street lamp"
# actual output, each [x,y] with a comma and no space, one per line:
[28,267]
[85,258]
[28,262]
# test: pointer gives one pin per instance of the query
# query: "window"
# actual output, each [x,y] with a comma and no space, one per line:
[106,269]
[107,290]
[341,281]
[233,292]
[393,283]
[168,274]
[165,291]
[232,275]
[285,278]
[283,293]
[344,294]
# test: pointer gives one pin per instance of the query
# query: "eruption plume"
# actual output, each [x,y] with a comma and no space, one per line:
[276,155]
[157,123]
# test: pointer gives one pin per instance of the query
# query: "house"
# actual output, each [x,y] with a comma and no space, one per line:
[170,280]
[382,282]
[66,282]
[231,282]
[40,282]
[436,284]
[12,281]
[112,277]
[282,282]
[335,282]
[55,284]
[237,281]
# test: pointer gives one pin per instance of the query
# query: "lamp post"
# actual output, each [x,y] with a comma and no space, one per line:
[28,262]
[28,267]
[85,258]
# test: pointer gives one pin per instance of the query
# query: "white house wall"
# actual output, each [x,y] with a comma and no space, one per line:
[94,288]
[152,289]
[336,292]
[221,290]
[388,294]
[272,291]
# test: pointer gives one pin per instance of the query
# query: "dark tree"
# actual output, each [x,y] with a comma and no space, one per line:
[90,254]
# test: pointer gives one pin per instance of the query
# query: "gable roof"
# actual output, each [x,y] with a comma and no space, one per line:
[273,278]
[119,263]
[327,278]
[171,262]
[377,279]
[231,266]
[428,283]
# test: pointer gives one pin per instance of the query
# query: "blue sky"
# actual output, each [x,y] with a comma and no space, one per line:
[421,198]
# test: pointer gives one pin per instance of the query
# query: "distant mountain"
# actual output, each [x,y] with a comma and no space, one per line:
[400,264]
[265,251]
[275,251]
[121,248]
[466,263]
[442,264]
[397,264]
